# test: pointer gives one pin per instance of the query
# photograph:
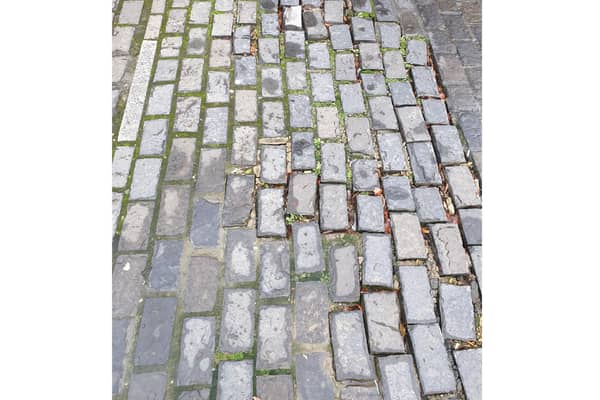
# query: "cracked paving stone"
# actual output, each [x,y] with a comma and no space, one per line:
[334,12]
[196,44]
[430,207]
[154,137]
[377,265]
[471,223]
[448,145]
[345,282]
[340,36]
[294,44]
[171,45]
[274,387]
[187,114]
[246,12]
[417,302]
[362,29]
[243,149]
[424,81]
[145,179]
[402,94]
[292,18]
[408,238]
[205,224]
[364,175]
[322,86]
[220,53]
[333,207]
[147,385]
[217,90]
[246,106]
[463,188]
[456,312]
[359,392]
[349,343]
[328,123]
[308,255]
[435,111]
[313,24]
[296,75]
[241,39]
[392,153]
[190,79]
[345,69]
[269,24]
[412,124]
[389,33]
[300,111]
[127,283]
[235,380]
[469,368]
[245,70]
[398,377]
[382,310]
[352,98]
[312,305]
[166,70]
[171,218]
[268,50]
[270,221]
[314,378]
[273,119]
[382,113]
[197,351]
[302,194]
[374,84]
[318,56]
[237,322]
[273,163]
[222,24]
[271,82]
[394,65]
[424,164]
[303,151]
[200,13]
[274,347]
[202,279]
[274,280]
[240,258]
[239,200]
[154,336]
[333,159]
[433,364]
[159,102]
[358,130]
[370,56]
[416,52]
[216,124]
[121,165]
[211,171]
[180,164]
[398,195]
[369,210]
[122,335]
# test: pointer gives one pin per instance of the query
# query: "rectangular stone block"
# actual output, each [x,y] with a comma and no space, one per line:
[333,160]
[268,50]
[273,119]
[176,21]
[165,266]
[187,114]
[147,385]
[202,281]
[398,377]
[206,222]
[223,5]
[222,24]
[334,12]
[197,351]
[307,248]
[274,387]
[424,164]
[360,393]
[274,280]
[220,53]
[196,44]
[237,322]
[314,25]
[246,106]
[398,195]
[211,171]
[240,257]
[469,367]
[456,312]
[408,238]
[122,336]
[172,215]
[269,24]
[303,151]
[358,131]
[373,83]
[394,65]
[382,113]
[302,194]
[127,284]
[470,220]
[294,46]
[402,94]
[435,111]
[429,205]
[136,226]
[292,18]
[246,12]
[412,124]
[389,34]
[377,265]
[312,305]
[216,125]
[274,349]
[296,75]
[333,207]
[154,137]
[382,311]
[159,102]
[448,145]
[180,165]
[300,111]
[243,149]
[352,98]
[345,283]
[365,175]
[424,81]
[392,152]
[239,200]
[271,82]
[370,56]
[369,211]
[314,378]
[362,29]
[318,56]
[245,70]
[200,12]
[345,69]
[273,164]
[156,328]
[416,295]
[145,179]
[350,352]
[328,123]
[217,87]
[235,380]
[131,12]
[190,79]
[170,46]
[464,190]
[416,52]
[269,210]
[322,86]
[121,165]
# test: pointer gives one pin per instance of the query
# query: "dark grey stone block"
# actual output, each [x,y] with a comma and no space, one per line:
[464,190]
[122,332]
[235,380]
[407,236]
[398,195]
[312,305]
[360,393]
[333,207]
[269,210]
[425,83]
[398,375]
[358,131]
[136,226]
[382,113]
[302,194]
[270,5]
[382,311]
[202,281]
[364,175]
[369,210]
[202,394]
[345,283]
[362,29]
[127,284]
[274,278]
[377,265]
[274,347]
[435,111]
[470,220]
[412,124]
[148,385]
[429,205]
[314,378]
[374,84]
[456,312]
[275,387]
[349,343]
[156,328]
[205,224]
[362,6]
[164,273]
[303,151]
[402,94]
[416,295]
[448,145]
[392,152]
[197,351]
[389,34]
[240,257]
[385,11]
[424,164]
[211,172]
[273,164]
[237,322]
[394,65]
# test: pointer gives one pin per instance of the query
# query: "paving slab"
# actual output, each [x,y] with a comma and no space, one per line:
[197,351]
[430,207]
[273,163]
[382,312]
[349,343]
[333,207]
[206,222]
[240,256]
[202,279]
[469,367]
[165,265]
[377,265]
[369,210]
[424,164]
[408,238]
[391,151]
[417,301]
[269,210]
[333,162]
[456,312]
[358,131]
[345,283]
[237,321]
[463,188]
[312,305]
[274,343]
[274,280]
[155,331]
[235,380]
[314,378]
[398,378]
[303,151]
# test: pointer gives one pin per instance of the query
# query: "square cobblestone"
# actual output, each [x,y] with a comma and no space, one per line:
[222,24]
[402,94]
[448,145]
[430,207]
[394,65]
[382,113]
[196,42]
[424,164]
[217,89]
[270,24]
[246,12]
[274,387]
[358,131]
[407,236]
[345,69]
[369,210]
[273,119]
[340,37]
[271,82]
[245,70]
[463,188]
[159,102]
[300,112]
[220,53]
[416,52]
[318,56]
[296,75]
[303,151]
[398,195]
[412,124]
[313,376]
[425,83]
[147,385]
[389,33]
[131,12]
[322,86]
[391,151]
[370,56]
[268,50]
[313,24]
[292,18]
[200,12]
[176,21]
[362,29]
[352,98]
[223,5]
[334,12]
[435,111]
[294,45]
[374,84]
[365,175]
[170,46]
[166,70]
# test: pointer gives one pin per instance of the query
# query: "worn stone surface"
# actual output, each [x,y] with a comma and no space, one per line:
[196,42]
[398,195]
[294,46]
[345,69]
[197,351]
[424,164]
[349,343]
[122,334]
[154,137]
[374,84]
[245,70]
[377,265]
[416,295]
[333,163]
[235,380]
[147,385]
[470,220]
[382,310]
[121,165]
[352,98]
[456,312]
[365,175]
[268,50]
[435,111]
[144,181]
[314,378]
[180,164]
[201,284]
[217,90]
[328,123]
[206,221]
[402,95]
[274,348]
[340,37]
[201,394]
[216,124]
[269,210]
[211,171]
[273,119]
[429,205]
[240,257]
[448,145]
[469,367]
[303,151]
[416,52]
[200,12]
[333,207]
[302,194]
[314,24]
[476,259]
[243,149]
[362,29]
[398,377]
[246,106]
[171,45]
[408,238]
[394,65]
[424,81]
[334,12]
[345,282]
[273,163]
[369,210]
[274,387]
[300,111]
[389,34]
[187,114]
[296,75]
[165,265]
[154,336]
[127,285]
[412,124]
[274,280]
[358,131]
[136,226]
[222,24]
[318,56]
[391,152]
[463,188]
[271,82]
[237,322]
[322,86]
[292,18]
[382,113]
[312,305]
[246,12]
[269,24]
[190,78]
[239,200]
[171,217]
[370,56]
[307,247]
[359,392]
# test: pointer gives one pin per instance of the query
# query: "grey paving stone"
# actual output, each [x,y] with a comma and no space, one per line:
[180,3]
[274,347]
[369,210]
[394,65]
[121,165]
[402,94]
[318,56]
[201,285]
[268,50]
[391,151]
[246,12]
[362,6]
[352,98]
[241,39]
[217,89]
[435,111]
[328,123]
[181,159]
[302,194]
[452,71]
[197,351]
[172,216]
[269,25]
[456,312]
[300,111]
[240,257]
[345,69]
[307,248]
[333,162]
[127,283]
[408,238]
[303,151]
[312,305]
[424,164]
[294,45]
[243,149]
[432,361]
[154,136]
[274,280]
[223,5]
[470,124]
[222,24]
[370,56]
[245,70]
[121,38]
[463,188]
[398,378]
[292,18]
[296,75]
[196,42]
[187,114]
[382,113]
[274,387]
[349,343]
[333,207]
[166,70]
[362,29]
[201,394]
[159,102]
[385,11]
[382,311]
[235,380]
[165,266]
[176,21]
[314,378]
[417,302]
[416,52]
[476,260]
[412,124]
[271,82]
[273,119]
[469,367]
[334,12]
[322,86]
[237,322]
[359,392]
[154,336]
[122,332]
[374,84]
[340,36]
[429,205]
[145,179]
[345,282]
[273,163]
[190,79]
[377,265]
[200,12]
[424,80]
[205,224]
[271,5]
[269,210]
[131,12]
[313,24]
[364,175]
[211,171]
[148,385]
[358,131]
[171,45]
[398,195]
[220,53]
[239,200]
[389,34]
[216,124]
[448,145]
[470,220]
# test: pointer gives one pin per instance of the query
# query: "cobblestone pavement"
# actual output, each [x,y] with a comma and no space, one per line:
[296,199]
